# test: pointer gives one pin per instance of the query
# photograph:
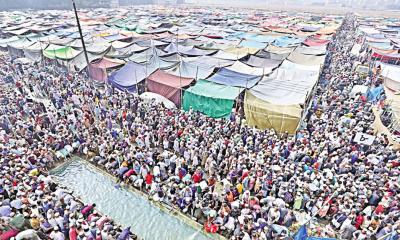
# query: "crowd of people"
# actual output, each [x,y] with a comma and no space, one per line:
[238,181]
[32,205]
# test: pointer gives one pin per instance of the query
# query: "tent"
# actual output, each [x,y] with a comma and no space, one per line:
[316,50]
[384,57]
[391,75]
[15,49]
[305,59]
[242,51]
[34,51]
[229,56]
[315,42]
[263,62]
[277,101]
[212,99]
[261,38]
[211,61]
[287,85]
[5,41]
[167,85]
[286,41]
[235,79]
[252,44]
[273,56]
[60,52]
[125,52]
[156,62]
[190,69]
[146,55]
[264,115]
[246,69]
[78,63]
[98,69]
[187,50]
[128,77]
[279,50]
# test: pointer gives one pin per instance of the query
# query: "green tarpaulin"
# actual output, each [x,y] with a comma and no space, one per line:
[212,99]
[60,52]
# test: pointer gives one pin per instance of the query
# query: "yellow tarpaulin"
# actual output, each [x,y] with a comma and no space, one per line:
[379,128]
[263,115]
[279,50]
[242,50]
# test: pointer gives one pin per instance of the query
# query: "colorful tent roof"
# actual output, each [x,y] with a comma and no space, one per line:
[212,99]
[167,85]
[60,52]
[128,77]
[231,78]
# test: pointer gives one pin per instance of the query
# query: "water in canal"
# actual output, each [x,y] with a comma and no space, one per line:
[124,206]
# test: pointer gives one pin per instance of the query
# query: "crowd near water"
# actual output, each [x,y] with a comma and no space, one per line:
[237,181]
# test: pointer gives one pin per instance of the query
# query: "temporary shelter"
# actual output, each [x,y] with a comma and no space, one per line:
[128,77]
[167,85]
[60,52]
[98,69]
[391,76]
[278,100]
[214,100]
[232,78]
[263,62]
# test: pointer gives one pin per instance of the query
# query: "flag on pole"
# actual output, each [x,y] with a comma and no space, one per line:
[301,233]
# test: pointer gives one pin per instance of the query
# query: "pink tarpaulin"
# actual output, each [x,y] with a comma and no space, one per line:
[315,42]
[167,85]
[107,63]
[98,74]
[98,69]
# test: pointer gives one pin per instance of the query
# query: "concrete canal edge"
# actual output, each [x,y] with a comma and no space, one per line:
[165,208]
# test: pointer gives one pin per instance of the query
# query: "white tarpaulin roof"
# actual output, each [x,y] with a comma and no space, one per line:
[287,85]
[391,74]
[191,70]
[228,56]
[305,59]
[246,69]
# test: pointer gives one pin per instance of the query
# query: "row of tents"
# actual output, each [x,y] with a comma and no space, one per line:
[381,45]
[265,64]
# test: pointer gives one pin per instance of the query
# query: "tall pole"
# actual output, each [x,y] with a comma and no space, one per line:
[80,33]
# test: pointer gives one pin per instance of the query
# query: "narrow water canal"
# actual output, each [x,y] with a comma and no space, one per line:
[124,206]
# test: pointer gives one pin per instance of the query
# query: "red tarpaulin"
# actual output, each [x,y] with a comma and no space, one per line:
[107,63]
[311,42]
[386,57]
[167,85]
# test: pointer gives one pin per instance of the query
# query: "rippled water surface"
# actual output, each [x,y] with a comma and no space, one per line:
[126,207]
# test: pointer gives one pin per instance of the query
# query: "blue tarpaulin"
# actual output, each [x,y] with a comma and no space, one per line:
[231,78]
[373,94]
[253,44]
[262,38]
[127,77]
[286,41]
[301,233]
